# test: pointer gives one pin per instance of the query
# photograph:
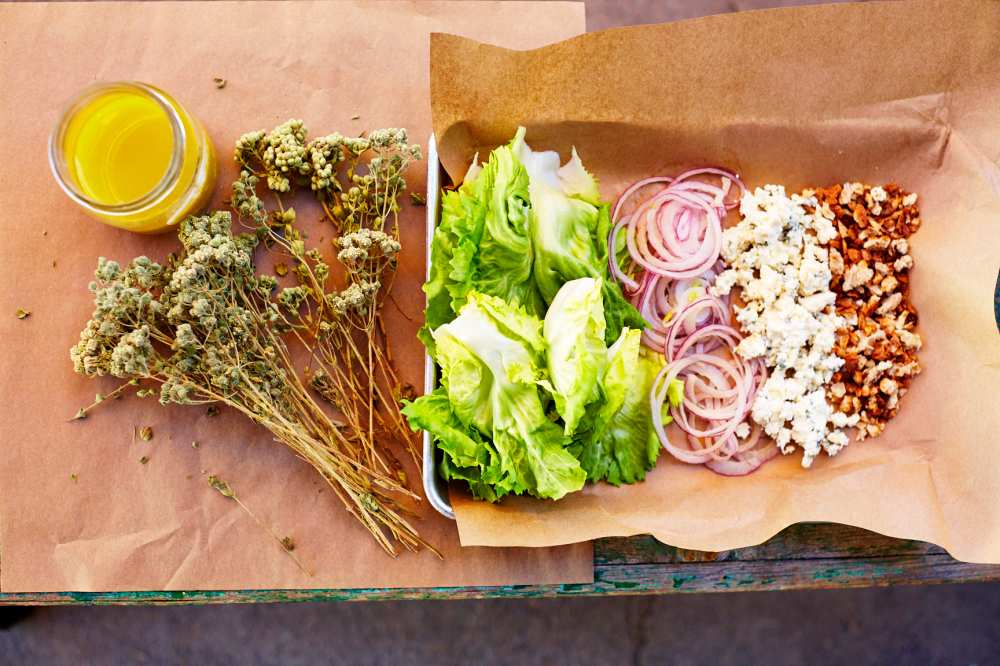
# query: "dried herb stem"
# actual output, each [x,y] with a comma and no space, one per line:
[84,411]
[226,490]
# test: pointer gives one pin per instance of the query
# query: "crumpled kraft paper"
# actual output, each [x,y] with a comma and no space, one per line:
[78,512]
[880,92]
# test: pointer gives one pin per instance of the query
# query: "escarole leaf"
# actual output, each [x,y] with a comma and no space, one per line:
[455,240]
[620,445]
[574,334]
[492,359]
[569,230]
[481,242]
[465,455]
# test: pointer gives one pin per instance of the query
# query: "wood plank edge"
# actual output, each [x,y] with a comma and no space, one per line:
[803,541]
[764,575]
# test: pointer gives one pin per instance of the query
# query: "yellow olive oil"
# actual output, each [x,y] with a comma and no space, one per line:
[133,157]
[119,147]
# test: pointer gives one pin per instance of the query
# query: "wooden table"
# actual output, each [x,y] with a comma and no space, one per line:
[805,556]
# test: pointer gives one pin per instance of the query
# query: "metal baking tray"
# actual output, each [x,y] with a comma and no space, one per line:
[434,486]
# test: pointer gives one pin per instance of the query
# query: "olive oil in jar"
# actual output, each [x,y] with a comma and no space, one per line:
[133,157]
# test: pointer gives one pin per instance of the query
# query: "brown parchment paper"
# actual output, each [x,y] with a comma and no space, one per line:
[904,92]
[123,525]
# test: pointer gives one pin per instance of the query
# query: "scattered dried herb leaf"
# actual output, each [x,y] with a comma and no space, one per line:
[355,117]
[220,83]
[144,393]
[286,543]
[418,199]
[195,444]
[281,269]
[73,478]
[143,460]
[23,314]
[221,486]
[145,433]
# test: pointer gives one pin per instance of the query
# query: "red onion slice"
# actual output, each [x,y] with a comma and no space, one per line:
[677,231]
[673,233]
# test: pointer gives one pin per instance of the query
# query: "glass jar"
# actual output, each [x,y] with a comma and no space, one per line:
[132,156]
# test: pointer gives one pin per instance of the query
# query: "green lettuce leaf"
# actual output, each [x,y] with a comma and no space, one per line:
[464,454]
[492,359]
[574,334]
[481,242]
[502,266]
[619,444]
[569,231]
[463,214]
[618,312]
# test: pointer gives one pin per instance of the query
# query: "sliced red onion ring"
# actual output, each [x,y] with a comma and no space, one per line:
[677,231]
[673,233]
[660,301]
[756,454]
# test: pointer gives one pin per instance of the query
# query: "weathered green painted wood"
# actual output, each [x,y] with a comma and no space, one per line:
[805,556]
[823,573]
[684,577]
[802,541]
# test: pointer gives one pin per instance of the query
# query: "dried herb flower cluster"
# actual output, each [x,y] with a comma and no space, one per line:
[352,197]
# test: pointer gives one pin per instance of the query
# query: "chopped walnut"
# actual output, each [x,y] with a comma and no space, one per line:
[857,275]
[870,263]
[890,304]
[879,243]
[907,370]
[836,262]
[846,194]
[910,340]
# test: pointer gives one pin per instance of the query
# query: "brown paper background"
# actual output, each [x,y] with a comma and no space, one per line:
[127,526]
[876,92]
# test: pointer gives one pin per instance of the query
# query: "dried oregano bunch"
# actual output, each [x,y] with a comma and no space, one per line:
[208,329]
[358,181]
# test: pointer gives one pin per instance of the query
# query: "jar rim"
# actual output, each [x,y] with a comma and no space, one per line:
[60,169]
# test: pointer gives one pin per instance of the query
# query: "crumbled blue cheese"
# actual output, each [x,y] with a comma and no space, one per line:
[775,255]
